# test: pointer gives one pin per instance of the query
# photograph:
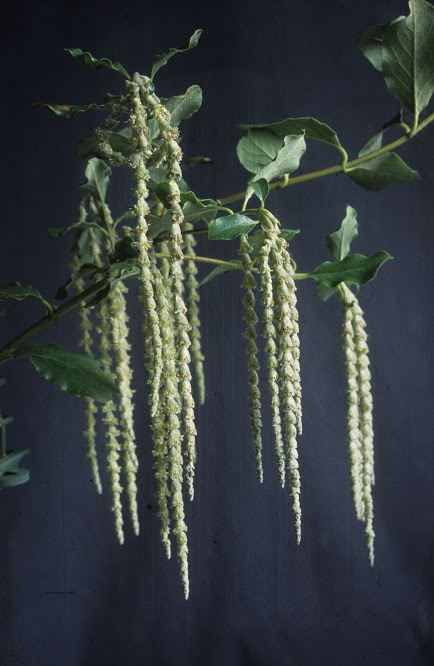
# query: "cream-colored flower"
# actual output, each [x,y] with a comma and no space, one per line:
[251,320]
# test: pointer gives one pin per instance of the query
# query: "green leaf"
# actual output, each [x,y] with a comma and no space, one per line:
[289,234]
[354,269]
[19,292]
[382,171]
[258,148]
[310,127]
[14,478]
[164,58]
[230,226]
[376,141]
[219,270]
[408,57]
[184,106]
[75,372]
[286,161]
[98,63]
[10,462]
[371,44]
[97,178]
[260,188]
[90,146]
[339,241]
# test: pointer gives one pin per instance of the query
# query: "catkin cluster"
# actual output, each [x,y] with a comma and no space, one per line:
[360,407]
[171,318]
[282,350]
[114,349]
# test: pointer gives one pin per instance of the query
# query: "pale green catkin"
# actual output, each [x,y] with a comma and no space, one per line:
[169,459]
[173,155]
[193,299]
[266,285]
[124,375]
[365,412]
[86,343]
[286,316]
[251,320]
[112,425]
[160,431]
[366,425]
[282,245]
[153,344]
[353,419]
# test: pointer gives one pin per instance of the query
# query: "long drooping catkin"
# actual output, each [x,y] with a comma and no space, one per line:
[288,374]
[172,151]
[86,343]
[168,446]
[123,371]
[193,298]
[112,425]
[353,419]
[266,285]
[251,320]
[153,344]
[160,427]
[361,395]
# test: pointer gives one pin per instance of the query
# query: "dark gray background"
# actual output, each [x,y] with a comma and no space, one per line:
[69,594]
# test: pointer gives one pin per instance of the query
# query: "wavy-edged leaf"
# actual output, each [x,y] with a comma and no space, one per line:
[287,159]
[184,106]
[370,42]
[339,241]
[219,270]
[97,174]
[230,226]
[19,292]
[76,373]
[408,57]
[98,63]
[70,110]
[354,269]
[310,127]
[382,171]
[164,58]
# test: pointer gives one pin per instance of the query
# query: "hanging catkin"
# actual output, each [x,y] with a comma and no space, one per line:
[153,344]
[86,343]
[251,320]
[168,446]
[286,323]
[112,424]
[173,155]
[123,371]
[365,411]
[266,285]
[193,298]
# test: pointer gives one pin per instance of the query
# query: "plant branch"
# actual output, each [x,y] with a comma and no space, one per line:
[338,168]
[49,319]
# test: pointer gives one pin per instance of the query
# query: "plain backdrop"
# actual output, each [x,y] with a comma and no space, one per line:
[69,594]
